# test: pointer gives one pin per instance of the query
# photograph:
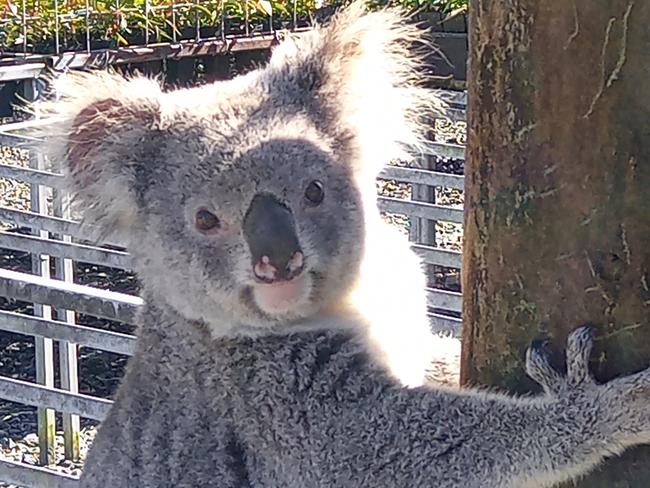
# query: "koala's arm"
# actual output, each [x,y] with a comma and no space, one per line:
[396,437]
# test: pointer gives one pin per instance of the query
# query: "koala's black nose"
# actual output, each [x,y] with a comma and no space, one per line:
[270,231]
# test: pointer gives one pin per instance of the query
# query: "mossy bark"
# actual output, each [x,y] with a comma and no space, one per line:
[557,224]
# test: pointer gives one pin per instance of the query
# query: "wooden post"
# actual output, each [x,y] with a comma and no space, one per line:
[557,224]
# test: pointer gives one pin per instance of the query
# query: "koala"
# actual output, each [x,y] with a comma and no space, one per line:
[294,189]
[274,350]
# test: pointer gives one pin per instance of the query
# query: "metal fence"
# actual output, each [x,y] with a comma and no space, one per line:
[56,241]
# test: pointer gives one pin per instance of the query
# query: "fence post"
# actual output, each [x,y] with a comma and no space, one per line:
[423,231]
[44,347]
[68,359]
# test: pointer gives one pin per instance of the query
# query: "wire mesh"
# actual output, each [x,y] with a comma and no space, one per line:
[52,27]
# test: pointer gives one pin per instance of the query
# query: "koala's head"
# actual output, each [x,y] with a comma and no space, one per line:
[245,202]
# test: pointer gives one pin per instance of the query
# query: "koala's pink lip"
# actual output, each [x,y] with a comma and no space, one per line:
[280,296]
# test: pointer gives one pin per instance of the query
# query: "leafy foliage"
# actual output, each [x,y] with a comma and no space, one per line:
[40,26]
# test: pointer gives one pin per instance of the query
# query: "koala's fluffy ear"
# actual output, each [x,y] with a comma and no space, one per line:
[358,76]
[104,126]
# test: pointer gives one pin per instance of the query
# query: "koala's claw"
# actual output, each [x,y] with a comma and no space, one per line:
[578,351]
[579,345]
[539,368]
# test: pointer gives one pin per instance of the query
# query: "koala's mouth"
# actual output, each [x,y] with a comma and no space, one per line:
[283,299]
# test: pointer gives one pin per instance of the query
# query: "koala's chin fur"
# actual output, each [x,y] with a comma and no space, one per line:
[285,336]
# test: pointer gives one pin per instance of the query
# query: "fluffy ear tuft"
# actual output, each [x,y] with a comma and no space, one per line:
[359,74]
[93,110]
[97,124]
[102,122]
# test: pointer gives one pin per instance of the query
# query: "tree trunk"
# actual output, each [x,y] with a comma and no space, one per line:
[557,226]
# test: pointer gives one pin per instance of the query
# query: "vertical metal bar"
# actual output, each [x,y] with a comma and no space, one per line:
[68,360]
[174,21]
[118,18]
[57,40]
[423,231]
[24,25]
[197,19]
[223,20]
[295,14]
[44,347]
[246,20]
[146,21]
[87,20]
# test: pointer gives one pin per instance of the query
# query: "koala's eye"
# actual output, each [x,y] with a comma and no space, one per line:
[206,221]
[314,193]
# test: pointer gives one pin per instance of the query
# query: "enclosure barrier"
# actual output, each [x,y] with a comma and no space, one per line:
[56,236]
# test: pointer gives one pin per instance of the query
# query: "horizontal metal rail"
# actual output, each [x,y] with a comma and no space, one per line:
[30,175]
[445,150]
[454,98]
[33,220]
[21,72]
[423,210]
[29,124]
[17,134]
[454,114]
[60,400]
[78,252]
[445,324]
[444,300]
[408,175]
[423,177]
[123,260]
[441,257]
[155,52]
[119,306]
[21,474]
[18,141]
[35,65]
[70,296]
[104,340]
[124,343]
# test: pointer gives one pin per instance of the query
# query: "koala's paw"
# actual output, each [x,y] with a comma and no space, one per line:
[578,351]
[624,400]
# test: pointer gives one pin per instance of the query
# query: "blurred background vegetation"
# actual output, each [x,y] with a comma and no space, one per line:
[43,25]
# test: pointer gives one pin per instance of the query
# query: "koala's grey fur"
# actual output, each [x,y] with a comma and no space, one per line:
[223,393]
